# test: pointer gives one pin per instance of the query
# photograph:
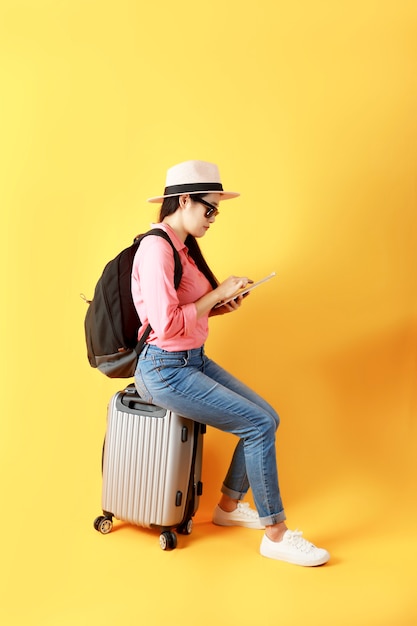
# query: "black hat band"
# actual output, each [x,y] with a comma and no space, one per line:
[174,190]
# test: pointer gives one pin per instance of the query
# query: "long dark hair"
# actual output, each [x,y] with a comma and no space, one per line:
[168,207]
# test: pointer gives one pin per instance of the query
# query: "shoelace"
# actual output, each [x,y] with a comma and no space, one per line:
[296,539]
[246,511]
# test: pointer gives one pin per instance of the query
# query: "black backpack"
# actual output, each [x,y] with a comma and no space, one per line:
[112,323]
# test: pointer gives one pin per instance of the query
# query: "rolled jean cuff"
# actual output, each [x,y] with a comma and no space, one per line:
[270,520]
[235,495]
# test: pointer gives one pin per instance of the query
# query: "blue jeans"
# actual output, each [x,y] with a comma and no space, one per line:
[194,386]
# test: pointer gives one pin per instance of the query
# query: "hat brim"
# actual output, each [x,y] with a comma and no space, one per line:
[225,195]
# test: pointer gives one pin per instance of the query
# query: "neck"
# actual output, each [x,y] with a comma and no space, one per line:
[176,225]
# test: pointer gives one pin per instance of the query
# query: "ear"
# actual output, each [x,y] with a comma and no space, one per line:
[183,200]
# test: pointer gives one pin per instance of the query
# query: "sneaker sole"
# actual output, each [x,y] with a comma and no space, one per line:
[294,561]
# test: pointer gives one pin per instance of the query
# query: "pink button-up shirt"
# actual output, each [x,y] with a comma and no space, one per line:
[171,313]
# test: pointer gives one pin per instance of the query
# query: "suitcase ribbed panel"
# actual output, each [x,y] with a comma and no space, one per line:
[145,465]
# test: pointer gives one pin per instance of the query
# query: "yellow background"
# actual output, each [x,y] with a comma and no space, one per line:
[309,108]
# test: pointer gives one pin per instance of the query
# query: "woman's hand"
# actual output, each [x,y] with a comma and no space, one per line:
[230,286]
[224,291]
[231,306]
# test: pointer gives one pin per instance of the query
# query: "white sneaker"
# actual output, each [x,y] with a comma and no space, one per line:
[293,548]
[243,515]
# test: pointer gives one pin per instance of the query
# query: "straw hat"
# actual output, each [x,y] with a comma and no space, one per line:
[193,177]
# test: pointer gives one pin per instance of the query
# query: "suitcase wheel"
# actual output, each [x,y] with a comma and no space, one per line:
[168,540]
[186,528]
[103,524]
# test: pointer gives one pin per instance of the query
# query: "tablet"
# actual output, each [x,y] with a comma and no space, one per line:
[245,290]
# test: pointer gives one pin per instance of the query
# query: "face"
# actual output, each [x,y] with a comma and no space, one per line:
[199,216]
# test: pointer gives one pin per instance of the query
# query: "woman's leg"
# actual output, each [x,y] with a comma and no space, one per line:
[180,382]
[194,386]
[236,483]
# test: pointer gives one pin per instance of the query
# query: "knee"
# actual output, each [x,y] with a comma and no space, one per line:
[273,415]
[275,418]
[269,424]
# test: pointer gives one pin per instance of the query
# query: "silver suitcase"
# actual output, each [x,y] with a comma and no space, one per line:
[152,460]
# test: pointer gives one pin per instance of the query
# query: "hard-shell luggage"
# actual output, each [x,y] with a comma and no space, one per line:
[152,460]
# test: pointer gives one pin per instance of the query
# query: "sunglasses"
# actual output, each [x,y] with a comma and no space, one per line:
[211,208]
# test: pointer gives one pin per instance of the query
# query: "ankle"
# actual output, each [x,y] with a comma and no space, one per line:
[276,531]
[227,504]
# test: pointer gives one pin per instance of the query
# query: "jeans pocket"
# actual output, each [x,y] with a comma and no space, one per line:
[169,362]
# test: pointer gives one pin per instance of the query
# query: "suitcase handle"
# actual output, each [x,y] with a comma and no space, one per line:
[133,402]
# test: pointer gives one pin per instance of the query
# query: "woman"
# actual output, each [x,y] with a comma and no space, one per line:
[174,372]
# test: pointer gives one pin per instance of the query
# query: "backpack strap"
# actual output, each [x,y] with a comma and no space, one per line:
[177,276]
